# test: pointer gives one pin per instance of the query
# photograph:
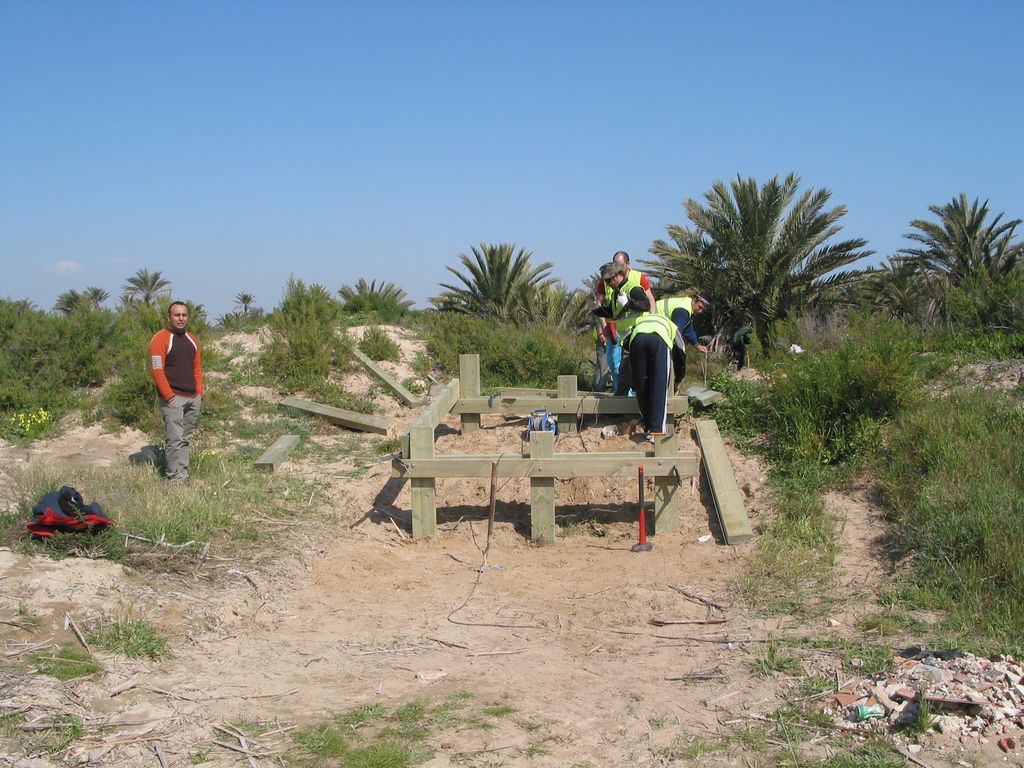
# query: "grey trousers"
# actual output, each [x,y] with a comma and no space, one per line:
[181,415]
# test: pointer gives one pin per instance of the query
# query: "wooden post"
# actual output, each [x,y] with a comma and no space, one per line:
[542,491]
[424,505]
[469,386]
[666,490]
[567,391]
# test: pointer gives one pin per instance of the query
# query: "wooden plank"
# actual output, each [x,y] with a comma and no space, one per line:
[542,490]
[560,465]
[525,392]
[422,489]
[469,382]
[727,497]
[386,379]
[339,416]
[584,405]
[566,393]
[277,453]
[666,488]
[704,396]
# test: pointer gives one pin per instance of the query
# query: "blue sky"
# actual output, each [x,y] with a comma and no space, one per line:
[230,145]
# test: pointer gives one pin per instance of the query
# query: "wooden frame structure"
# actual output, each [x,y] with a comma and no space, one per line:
[666,464]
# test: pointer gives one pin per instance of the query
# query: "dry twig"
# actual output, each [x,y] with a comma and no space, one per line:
[69,622]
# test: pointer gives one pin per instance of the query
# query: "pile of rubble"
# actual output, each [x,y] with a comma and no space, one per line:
[969,697]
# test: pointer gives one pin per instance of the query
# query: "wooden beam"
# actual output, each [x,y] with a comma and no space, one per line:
[542,490]
[560,465]
[277,453]
[666,488]
[727,497]
[433,413]
[704,396]
[585,404]
[386,379]
[469,383]
[439,407]
[525,392]
[339,416]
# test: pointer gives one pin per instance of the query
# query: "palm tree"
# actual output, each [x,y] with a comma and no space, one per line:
[500,283]
[244,301]
[69,301]
[561,308]
[95,296]
[960,244]
[386,292]
[146,285]
[762,252]
[897,290]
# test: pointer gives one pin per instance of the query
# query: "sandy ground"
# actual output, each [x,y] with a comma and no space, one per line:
[358,613]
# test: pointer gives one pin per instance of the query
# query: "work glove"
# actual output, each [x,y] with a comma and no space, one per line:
[621,299]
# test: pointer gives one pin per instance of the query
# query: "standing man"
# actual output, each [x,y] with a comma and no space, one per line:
[177,369]
[611,332]
[681,311]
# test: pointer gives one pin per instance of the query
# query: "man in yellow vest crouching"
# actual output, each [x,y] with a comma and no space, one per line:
[681,311]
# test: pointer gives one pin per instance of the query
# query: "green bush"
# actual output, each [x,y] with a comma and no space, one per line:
[377,345]
[376,307]
[306,343]
[952,472]
[828,406]
[47,361]
[532,355]
[130,396]
[983,305]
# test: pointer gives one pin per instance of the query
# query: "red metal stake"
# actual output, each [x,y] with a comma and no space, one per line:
[642,545]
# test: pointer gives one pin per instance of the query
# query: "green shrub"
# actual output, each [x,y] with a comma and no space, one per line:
[952,472]
[983,305]
[377,345]
[532,355]
[306,344]
[380,308]
[828,406]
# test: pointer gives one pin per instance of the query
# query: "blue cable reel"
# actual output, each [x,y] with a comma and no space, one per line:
[541,420]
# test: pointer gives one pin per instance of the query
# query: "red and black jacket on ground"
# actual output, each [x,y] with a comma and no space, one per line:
[66,511]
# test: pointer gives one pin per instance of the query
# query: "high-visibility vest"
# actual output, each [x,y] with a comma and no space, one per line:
[658,324]
[667,306]
[624,318]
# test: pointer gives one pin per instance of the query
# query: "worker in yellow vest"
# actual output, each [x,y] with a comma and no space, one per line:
[625,301]
[649,343]
[681,310]
[612,335]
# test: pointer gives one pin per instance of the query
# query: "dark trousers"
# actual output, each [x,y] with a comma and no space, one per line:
[650,367]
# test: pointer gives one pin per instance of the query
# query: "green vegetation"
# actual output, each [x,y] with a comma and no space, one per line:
[762,251]
[510,355]
[181,521]
[772,660]
[66,663]
[374,737]
[377,345]
[952,472]
[129,636]
[306,343]
[384,303]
